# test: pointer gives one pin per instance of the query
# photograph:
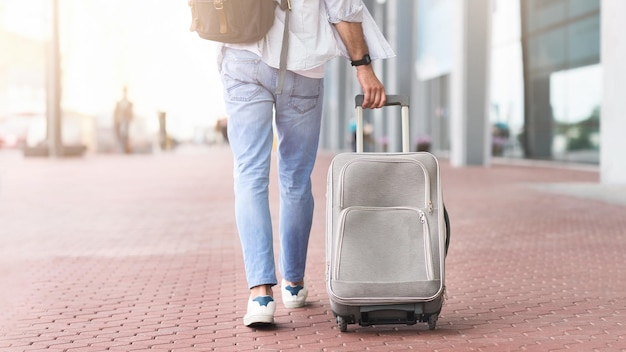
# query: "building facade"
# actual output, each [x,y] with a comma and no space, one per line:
[518,79]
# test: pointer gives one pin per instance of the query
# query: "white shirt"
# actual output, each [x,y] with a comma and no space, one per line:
[313,40]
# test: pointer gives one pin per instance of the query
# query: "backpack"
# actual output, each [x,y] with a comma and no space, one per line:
[239,21]
[232,21]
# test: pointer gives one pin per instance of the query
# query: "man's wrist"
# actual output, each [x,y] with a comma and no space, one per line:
[365,60]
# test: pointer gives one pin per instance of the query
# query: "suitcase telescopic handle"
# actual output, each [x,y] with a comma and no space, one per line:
[392,100]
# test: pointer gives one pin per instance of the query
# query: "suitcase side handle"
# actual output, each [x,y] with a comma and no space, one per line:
[392,99]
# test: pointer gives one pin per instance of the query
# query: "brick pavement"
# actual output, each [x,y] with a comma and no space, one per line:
[134,253]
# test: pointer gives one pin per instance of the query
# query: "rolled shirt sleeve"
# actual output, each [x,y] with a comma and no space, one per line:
[355,11]
[344,10]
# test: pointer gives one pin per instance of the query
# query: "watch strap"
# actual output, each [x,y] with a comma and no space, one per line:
[366,60]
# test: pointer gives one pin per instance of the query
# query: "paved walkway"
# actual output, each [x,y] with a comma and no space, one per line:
[125,253]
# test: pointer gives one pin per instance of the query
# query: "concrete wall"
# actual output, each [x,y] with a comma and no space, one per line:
[613,120]
[469,130]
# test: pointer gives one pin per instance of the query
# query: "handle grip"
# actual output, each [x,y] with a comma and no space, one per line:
[392,99]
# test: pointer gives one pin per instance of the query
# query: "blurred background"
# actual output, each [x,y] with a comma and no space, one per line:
[487,79]
[536,64]
[106,45]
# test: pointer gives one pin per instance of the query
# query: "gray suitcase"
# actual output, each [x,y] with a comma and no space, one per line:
[387,233]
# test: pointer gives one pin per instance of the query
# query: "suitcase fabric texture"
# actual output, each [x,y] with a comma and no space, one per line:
[386,234]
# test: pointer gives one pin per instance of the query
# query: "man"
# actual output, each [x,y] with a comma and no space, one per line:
[319,30]
[121,121]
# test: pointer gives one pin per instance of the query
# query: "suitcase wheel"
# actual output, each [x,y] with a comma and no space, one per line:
[432,321]
[342,323]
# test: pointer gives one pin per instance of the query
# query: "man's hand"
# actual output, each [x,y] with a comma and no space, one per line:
[351,34]
[373,89]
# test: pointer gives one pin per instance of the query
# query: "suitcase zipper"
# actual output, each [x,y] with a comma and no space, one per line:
[428,204]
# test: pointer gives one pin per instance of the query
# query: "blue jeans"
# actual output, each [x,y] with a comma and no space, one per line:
[249,86]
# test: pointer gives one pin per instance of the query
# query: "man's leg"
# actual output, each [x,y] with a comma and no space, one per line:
[298,120]
[250,109]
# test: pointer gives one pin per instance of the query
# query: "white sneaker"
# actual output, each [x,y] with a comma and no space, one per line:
[293,296]
[260,311]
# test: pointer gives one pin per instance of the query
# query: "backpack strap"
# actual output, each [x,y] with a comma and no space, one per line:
[286,6]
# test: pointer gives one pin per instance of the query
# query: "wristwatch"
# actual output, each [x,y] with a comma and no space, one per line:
[366,60]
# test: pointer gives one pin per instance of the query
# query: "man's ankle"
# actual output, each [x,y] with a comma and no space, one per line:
[261,290]
[294,284]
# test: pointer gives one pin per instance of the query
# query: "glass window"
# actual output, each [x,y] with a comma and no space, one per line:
[506,22]
[563,73]
[545,13]
[507,99]
[584,43]
[575,97]
[435,38]
[547,49]
[581,7]
[506,111]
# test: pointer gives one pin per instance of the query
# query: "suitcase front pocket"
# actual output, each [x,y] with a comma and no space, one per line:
[375,181]
[383,245]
